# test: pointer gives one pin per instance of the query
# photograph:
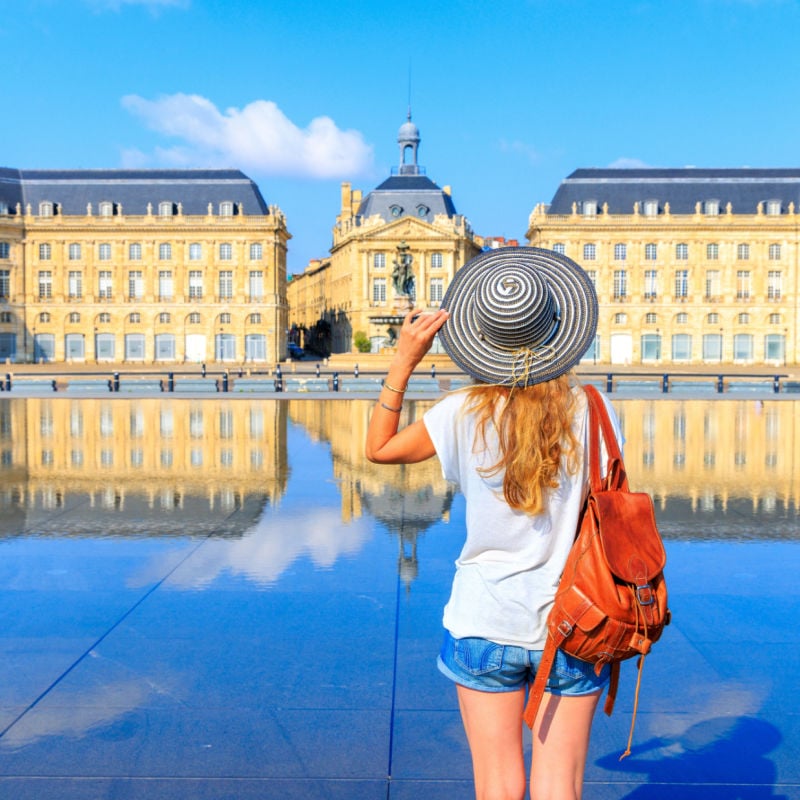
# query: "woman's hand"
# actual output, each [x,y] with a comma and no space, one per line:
[417,334]
[385,444]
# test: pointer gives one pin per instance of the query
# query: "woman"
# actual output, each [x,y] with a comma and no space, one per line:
[516,320]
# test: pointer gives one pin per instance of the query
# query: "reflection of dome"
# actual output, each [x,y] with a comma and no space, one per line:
[408,514]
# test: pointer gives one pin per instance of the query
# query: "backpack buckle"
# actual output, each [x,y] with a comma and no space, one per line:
[645,595]
[564,628]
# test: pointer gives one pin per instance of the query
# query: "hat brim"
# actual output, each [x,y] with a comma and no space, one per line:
[577,326]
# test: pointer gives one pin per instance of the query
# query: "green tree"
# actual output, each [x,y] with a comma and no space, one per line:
[362,342]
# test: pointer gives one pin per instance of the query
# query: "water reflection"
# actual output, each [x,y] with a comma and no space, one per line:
[166,467]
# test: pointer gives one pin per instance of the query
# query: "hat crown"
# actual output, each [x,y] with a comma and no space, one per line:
[515,308]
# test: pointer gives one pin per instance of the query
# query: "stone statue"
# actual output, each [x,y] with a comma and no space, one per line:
[402,275]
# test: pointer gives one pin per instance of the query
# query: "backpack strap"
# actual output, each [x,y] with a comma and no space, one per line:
[536,691]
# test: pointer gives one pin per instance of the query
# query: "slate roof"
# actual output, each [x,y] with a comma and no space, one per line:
[743,188]
[72,190]
[415,195]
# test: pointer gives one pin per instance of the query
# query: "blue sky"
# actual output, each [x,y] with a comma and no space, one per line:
[510,96]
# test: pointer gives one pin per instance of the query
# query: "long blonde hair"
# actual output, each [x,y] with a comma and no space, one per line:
[534,428]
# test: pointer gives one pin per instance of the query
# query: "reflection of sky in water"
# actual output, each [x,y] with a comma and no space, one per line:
[135,593]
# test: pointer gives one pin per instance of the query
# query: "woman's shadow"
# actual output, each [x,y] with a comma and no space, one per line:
[718,759]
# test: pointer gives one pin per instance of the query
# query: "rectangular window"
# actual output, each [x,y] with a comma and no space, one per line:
[45,285]
[256,286]
[104,285]
[743,284]
[225,252]
[774,252]
[774,285]
[5,250]
[589,252]
[134,252]
[165,285]
[256,252]
[681,252]
[436,290]
[436,260]
[104,252]
[712,347]
[620,284]
[592,275]
[195,251]
[713,285]
[650,284]
[195,284]
[5,284]
[45,252]
[379,290]
[75,285]
[712,252]
[225,284]
[620,252]
[743,252]
[135,285]
[681,283]
[379,260]
[165,251]
[560,248]
[681,347]
[74,252]
[650,252]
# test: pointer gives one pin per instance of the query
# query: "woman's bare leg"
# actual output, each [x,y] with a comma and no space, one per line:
[493,723]
[560,745]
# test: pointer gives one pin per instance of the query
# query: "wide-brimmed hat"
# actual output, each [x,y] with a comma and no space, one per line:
[519,316]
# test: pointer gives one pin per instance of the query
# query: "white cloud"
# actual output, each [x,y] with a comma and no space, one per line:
[258,137]
[628,163]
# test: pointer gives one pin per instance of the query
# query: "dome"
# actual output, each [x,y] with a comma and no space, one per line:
[408,132]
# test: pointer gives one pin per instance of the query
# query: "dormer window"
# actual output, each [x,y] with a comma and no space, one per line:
[422,211]
[395,210]
[773,207]
[165,209]
[46,209]
[3,209]
[589,208]
[711,208]
[651,208]
[226,209]
[106,209]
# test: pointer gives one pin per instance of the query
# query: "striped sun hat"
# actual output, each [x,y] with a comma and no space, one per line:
[519,316]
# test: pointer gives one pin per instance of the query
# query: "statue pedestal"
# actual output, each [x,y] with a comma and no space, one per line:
[403,303]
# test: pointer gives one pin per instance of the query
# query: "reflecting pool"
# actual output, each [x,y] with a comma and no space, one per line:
[215,598]
[154,467]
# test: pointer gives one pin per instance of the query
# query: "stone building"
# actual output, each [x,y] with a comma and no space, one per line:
[140,266]
[397,246]
[691,266]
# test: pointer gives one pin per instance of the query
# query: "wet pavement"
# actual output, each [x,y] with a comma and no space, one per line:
[271,632]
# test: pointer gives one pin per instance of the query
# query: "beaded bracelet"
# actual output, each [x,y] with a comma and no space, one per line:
[389,408]
[392,389]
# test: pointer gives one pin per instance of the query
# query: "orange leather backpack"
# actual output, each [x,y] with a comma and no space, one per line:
[611,602]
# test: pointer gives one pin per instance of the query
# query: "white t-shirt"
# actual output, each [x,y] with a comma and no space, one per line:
[511,562]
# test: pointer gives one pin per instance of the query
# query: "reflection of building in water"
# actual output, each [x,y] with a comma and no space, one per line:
[407,499]
[146,462]
[718,455]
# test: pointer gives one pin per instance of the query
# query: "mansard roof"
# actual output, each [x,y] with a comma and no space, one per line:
[683,188]
[407,195]
[133,190]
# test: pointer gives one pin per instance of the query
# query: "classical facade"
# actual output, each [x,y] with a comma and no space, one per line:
[691,266]
[398,246]
[140,266]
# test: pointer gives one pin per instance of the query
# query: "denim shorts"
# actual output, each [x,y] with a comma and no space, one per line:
[489,667]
